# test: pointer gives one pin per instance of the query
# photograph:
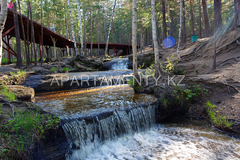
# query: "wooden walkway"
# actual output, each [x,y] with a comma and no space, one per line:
[50,38]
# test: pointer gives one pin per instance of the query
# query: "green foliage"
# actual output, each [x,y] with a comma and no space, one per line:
[53,69]
[196,71]
[183,97]
[26,128]
[149,70]
[217,119]
[131,83]
[6,93]
[65,69]
[15,77]
[170,67]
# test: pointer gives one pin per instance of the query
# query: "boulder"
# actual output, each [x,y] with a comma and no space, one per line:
[21,92]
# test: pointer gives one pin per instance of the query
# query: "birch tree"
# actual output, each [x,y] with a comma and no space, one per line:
[110,26]
[80,24]
[3,17]
[73,35]
[180,29]
[154,36]
[134,39]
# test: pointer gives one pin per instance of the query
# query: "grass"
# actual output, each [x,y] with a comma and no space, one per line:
[65,69]
[53,69]
[218,120]
[6,93]
[15,77]
[25,129]
[131,84]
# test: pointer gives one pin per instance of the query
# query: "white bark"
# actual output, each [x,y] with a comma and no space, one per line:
[110,26]
[180,28]
[134,40]
[80,24]
[3,17]
[73,35]
[154,36]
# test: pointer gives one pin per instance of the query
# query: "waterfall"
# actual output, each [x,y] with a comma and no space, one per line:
[117,64]
[86,134]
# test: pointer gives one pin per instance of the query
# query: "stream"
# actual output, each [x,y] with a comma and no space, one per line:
[112,122]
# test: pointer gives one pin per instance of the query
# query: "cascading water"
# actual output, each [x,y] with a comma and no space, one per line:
[84,136]
[118,64]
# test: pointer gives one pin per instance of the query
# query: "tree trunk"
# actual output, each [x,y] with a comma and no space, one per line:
[184,22]
[84,23]
[104,23]
[237,13]
[217,15]
[80,24]
[28,43]
[206,20]
[154,36]
[73,35]
[32,35]
[164,19]
[17,34]
[41,33]
[110,26]
[24,36]
[217,26]
[3,17]
[192,16]
[67,36]
[200,18]
[180,28]
[90,3]
[134,40]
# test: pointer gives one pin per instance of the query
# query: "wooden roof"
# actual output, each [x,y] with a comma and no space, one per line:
[47,33]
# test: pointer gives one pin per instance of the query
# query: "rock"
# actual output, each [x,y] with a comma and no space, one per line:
[22,93]
[79,67]
[89,63]
[146,59]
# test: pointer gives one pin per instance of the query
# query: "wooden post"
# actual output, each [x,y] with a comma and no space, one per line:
[54,40]
[67,50]
[8,48]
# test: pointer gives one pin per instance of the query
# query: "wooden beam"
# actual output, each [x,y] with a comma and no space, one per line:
[5,33]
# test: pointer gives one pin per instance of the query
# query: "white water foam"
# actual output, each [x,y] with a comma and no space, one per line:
[166,143]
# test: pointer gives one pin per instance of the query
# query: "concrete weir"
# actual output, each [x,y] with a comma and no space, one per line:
[66,81]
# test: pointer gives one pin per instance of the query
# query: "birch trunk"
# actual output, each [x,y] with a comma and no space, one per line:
[73,35]
[110,26]
[3,17]
[134,39]
[80,24]
[180,29]
[154,36]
